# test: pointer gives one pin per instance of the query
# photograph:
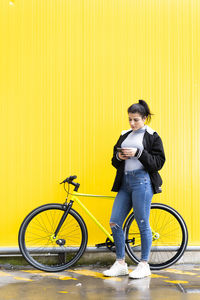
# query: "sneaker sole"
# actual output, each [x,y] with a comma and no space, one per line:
[134,277]
[115,275]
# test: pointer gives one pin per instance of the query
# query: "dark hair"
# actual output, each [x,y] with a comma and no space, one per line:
[141,108]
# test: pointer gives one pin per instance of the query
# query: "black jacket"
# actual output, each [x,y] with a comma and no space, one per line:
[152,157]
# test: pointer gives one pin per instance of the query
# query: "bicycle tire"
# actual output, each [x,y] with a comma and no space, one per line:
[39,248]
[169,237]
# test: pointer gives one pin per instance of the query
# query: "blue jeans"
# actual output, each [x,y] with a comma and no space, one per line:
[136,192]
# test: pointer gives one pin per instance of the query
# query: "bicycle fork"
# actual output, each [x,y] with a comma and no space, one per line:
[62,220]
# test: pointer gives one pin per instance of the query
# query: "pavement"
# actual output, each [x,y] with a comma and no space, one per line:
[87,282]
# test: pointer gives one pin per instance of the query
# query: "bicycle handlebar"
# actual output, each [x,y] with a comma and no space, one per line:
[70,181]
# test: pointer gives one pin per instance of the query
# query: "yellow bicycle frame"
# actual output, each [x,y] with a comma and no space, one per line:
[75,198]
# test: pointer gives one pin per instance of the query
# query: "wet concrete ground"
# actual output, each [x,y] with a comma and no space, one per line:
[177,282]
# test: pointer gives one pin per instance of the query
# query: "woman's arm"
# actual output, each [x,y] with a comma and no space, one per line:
[155,159]
[116,161]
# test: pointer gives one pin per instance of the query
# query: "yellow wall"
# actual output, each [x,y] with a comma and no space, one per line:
[69,71]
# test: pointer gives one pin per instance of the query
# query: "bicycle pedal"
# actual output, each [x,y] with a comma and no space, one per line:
[100,245]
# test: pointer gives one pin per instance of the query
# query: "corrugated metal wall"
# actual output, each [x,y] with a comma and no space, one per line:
[69,71]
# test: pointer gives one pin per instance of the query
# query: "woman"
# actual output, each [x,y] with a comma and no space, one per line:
[137,156]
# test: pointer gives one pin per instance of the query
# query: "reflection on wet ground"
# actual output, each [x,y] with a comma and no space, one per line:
[177,282]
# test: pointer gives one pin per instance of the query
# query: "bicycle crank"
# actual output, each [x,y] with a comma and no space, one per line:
[110,245]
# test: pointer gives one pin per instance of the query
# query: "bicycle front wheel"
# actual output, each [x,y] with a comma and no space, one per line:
[169,237]
[38,245]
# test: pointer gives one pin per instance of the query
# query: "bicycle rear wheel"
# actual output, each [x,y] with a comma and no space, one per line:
[169,237]
[37,243]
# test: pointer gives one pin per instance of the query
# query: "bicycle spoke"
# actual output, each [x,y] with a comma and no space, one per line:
[169,237]
[44,251]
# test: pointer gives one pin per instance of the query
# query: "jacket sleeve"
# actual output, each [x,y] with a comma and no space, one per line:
[116,161]
[154,159]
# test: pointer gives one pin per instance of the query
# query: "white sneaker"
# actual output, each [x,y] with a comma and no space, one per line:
[117,269]
[142,270]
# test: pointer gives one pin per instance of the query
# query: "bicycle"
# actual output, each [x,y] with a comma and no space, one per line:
[54,236]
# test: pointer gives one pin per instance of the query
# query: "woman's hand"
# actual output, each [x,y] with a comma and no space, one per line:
[129,152]
[122,156]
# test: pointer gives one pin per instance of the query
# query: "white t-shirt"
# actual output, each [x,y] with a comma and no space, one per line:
[134,140]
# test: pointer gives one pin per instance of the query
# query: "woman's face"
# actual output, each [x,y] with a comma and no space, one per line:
[136,121]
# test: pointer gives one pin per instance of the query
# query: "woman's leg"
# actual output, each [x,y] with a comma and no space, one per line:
[141,199]
[121,207]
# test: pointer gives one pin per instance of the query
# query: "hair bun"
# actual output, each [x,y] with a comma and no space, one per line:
[146,108]
[142,102]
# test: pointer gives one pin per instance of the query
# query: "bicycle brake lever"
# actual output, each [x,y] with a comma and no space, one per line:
[64,180]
